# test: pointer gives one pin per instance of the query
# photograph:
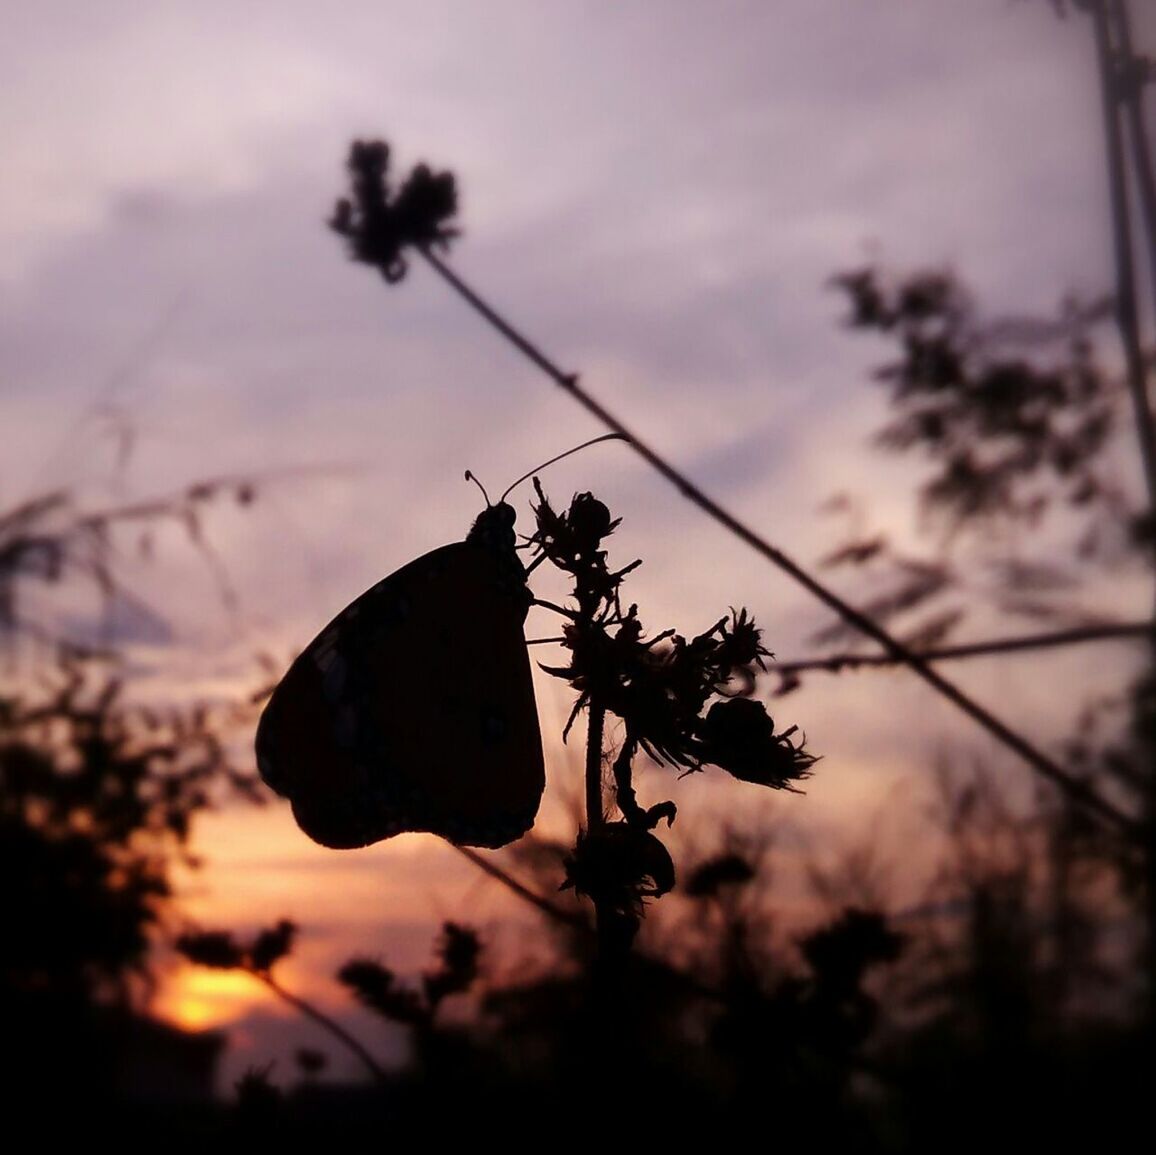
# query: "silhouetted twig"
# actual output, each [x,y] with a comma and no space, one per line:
[539,901]
[1134,72]
[1127,312]
[837,662]
[323,1020]
[220,950]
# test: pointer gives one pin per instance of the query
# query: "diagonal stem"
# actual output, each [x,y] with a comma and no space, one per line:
[331,1025]
[1075,788]
[540,902]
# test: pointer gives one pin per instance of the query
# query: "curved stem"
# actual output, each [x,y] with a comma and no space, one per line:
[623,784]
[331,1025]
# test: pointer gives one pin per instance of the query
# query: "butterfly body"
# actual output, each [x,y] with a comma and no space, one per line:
[414,710]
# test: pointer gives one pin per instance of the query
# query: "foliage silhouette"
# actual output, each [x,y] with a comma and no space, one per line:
[740,1032]
[683,703]
[1050,964]
[99,795]
[1009,437]
[1035,435]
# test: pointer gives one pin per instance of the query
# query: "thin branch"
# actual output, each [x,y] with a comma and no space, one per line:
[595,725]
[331,1025]
[595,819]
[1123,97]
[837,662]
[552,909]
[1036,758]
[1133,79]
[1127,316]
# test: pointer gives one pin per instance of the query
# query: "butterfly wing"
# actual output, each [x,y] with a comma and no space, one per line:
[413,710]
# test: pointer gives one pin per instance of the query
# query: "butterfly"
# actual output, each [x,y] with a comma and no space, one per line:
[414,708]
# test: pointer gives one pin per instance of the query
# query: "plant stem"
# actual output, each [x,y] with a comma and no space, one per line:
[1127,313]
[1111,57]
[1133,99]
[333,1027]
[595,820]
[595,726]
[568,918]
[837,662]
[623,783]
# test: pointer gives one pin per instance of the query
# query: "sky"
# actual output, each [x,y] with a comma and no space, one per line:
[658,194]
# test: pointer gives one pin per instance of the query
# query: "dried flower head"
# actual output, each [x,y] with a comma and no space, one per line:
[380,226]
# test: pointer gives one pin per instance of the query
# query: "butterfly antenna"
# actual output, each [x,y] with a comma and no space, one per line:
[592,441]
[471,477]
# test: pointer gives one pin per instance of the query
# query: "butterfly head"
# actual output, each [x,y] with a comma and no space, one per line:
[493,532]
[493,528]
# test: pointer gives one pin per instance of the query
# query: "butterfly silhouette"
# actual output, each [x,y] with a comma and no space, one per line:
[414,709]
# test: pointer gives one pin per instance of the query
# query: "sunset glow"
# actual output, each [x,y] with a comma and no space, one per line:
[197,999]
